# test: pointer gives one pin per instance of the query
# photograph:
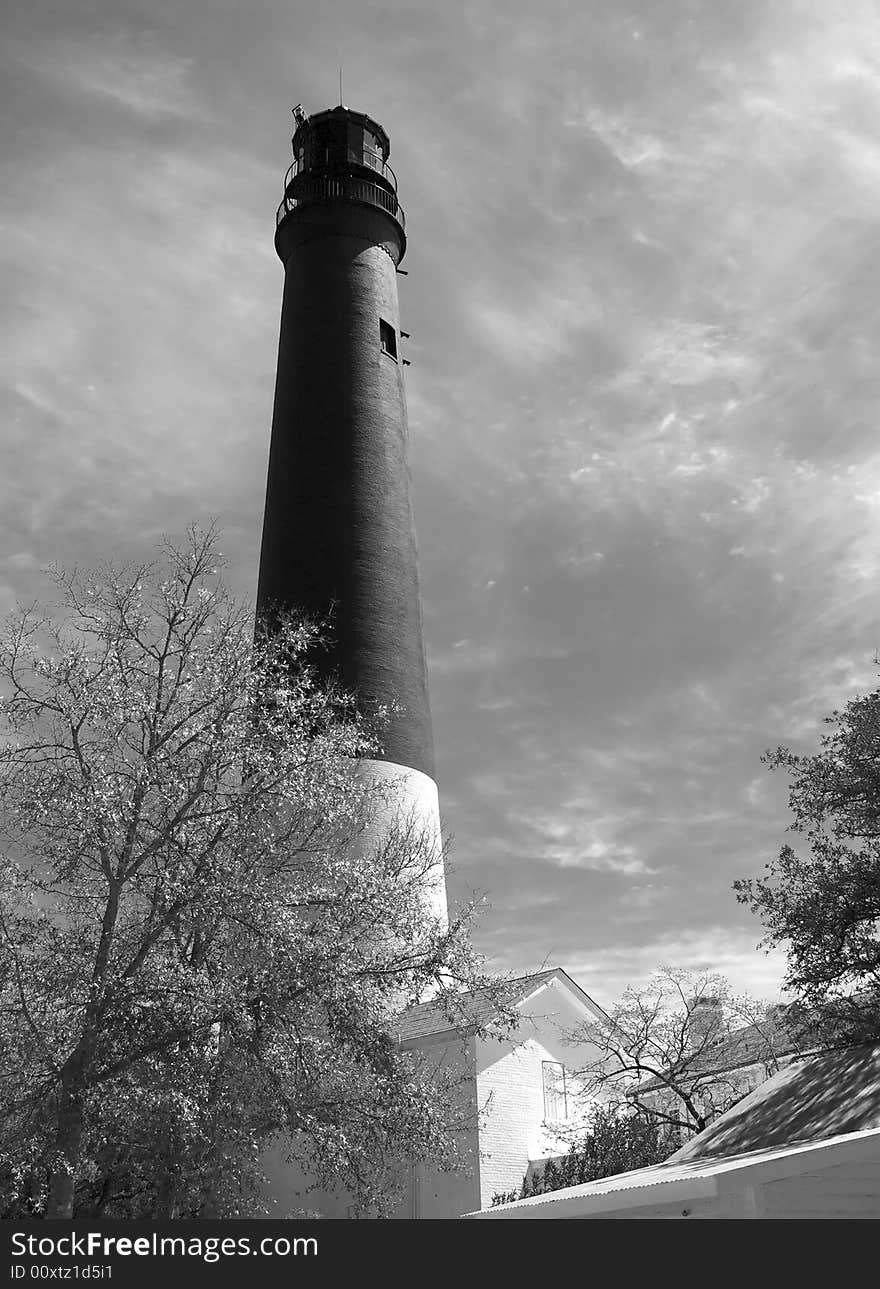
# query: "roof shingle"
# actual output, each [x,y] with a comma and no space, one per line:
[825,1095]
[465,1010]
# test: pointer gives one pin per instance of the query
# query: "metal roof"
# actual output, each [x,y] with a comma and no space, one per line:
[816,1109]
[697,1179]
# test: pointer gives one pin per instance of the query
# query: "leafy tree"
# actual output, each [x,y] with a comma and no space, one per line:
[664,1052]
[823,902]
[203,941]
[615,1141]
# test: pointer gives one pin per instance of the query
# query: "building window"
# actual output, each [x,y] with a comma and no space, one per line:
[555,1094]
[387,338]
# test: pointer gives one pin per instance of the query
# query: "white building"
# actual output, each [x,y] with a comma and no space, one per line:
[805,1144]
[518,1088]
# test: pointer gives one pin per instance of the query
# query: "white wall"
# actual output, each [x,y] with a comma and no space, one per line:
[848,1190]
[503,1088]
[510,1090]
[437,1194]
[427,1192]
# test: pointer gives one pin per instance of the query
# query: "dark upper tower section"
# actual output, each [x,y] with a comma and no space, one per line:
[341,155]
[338,534]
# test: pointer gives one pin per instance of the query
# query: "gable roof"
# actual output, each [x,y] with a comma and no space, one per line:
[745,1046]
[748,1045]
[477,1009]
[821,1096]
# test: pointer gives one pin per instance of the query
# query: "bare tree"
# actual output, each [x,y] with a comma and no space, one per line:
[197,949]
[682,1049]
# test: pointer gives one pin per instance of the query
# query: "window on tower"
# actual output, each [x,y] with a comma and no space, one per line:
[387,338]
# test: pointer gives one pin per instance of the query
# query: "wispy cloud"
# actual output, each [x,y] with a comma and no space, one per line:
[731,952]
[643,269]
[128,68]
[577,837]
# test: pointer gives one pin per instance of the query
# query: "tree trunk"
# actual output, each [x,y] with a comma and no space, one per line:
[68,1140]
[71,1110]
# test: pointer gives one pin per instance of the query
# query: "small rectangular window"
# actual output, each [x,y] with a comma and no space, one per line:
[387,338]
[555,1092]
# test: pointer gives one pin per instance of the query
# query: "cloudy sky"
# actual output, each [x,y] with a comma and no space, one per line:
[644,275]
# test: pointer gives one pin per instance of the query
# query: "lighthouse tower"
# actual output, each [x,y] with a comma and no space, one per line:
[338,533]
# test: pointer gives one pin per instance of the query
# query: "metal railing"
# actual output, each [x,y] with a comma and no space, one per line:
[373,160]
[349,187]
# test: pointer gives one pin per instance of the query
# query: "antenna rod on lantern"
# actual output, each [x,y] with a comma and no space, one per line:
[340,85]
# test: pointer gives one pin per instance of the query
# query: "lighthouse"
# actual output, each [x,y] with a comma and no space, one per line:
[338,533]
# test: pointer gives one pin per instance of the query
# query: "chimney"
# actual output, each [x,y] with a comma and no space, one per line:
[705,1019]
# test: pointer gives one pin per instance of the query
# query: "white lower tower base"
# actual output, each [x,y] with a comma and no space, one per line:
[407,800]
